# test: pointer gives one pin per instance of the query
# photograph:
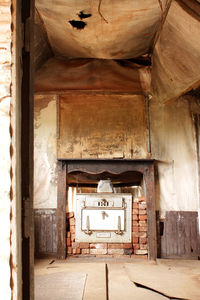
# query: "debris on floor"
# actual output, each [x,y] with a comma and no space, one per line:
[172,282]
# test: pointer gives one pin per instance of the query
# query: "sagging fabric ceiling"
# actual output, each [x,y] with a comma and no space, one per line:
[106,29]
[162,33]
[92,74]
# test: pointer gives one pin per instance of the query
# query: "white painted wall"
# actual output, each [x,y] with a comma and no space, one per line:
[45,177]
[174,147]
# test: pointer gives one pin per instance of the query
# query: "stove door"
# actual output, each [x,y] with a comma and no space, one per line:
[103,219]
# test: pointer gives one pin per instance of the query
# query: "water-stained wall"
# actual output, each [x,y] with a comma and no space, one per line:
[102,126]
[113,126]
[174,149]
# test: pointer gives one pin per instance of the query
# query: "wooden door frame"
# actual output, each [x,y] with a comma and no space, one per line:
[95,166]
[21,150]
[24,72]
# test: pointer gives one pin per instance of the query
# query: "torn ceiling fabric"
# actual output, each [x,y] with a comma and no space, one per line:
[108,29]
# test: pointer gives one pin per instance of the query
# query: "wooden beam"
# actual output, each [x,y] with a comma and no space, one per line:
[151,212]
[61,210]
[26,61]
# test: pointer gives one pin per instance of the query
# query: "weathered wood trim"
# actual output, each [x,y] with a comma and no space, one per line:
[45,232]
[88,92]
[57,117]
[115,166]
[196,121]
[61,210]
[180,237]
[148,138]
[48,211]
[151,212]
[27,91]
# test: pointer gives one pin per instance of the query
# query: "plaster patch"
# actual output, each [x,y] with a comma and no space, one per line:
[45,178]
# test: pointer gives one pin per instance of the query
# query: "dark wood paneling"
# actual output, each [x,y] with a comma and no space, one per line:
[180,236]
[45,231]
[54,221]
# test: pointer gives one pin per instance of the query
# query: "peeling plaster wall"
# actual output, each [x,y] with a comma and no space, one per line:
[174,148]
[45,181]
[5,140]
[5,183]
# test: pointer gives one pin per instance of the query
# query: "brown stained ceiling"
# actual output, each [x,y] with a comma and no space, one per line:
[42,49]
[92,74]
[109,29]
[176,56]
[115,30]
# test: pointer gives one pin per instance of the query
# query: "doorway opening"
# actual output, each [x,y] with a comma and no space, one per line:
[129,92]
[90,105]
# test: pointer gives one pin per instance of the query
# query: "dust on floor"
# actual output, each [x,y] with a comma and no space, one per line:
[116,279]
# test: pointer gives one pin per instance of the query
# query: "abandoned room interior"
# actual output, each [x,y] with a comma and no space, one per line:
[100,127]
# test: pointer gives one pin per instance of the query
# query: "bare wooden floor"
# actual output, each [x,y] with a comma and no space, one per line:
[116,279]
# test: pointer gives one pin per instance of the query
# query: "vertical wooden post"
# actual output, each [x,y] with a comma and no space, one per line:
[196,120]
[61,210]
[151,211]
[27,89]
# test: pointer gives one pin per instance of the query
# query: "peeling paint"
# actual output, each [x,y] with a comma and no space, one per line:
[108,126]
[174,148]
[5,185]
[171,134]
[45,177]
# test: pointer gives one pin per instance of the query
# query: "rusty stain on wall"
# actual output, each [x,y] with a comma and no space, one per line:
[104,126]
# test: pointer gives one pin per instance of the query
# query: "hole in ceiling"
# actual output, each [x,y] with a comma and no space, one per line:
[194,92]
[78,24]
[142,60]
[84,15]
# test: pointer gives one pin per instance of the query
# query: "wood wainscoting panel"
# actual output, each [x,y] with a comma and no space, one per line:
[180,235]
[45,232]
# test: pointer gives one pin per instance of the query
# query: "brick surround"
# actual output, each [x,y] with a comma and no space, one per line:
[139,236]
